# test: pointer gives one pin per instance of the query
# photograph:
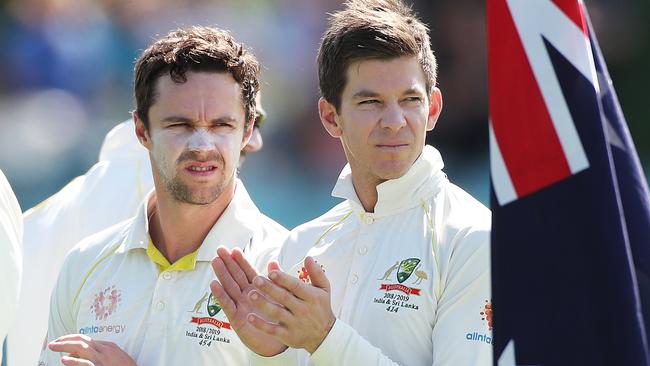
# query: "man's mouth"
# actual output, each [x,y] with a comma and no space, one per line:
[201,168]
[392,146]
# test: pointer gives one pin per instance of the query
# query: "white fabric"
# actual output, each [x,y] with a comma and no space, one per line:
[11,233]
[440,315]
[110,192]
[110,290]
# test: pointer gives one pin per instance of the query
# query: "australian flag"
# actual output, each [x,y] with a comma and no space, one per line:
[571,209]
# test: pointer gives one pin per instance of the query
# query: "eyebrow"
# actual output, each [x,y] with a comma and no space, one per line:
[413,91]
[172,119]
[365,93]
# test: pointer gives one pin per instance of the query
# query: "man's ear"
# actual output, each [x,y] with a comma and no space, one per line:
[141,131]
[435,107]
[248,132]
[329,118]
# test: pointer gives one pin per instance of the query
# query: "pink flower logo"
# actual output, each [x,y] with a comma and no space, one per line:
[106,302]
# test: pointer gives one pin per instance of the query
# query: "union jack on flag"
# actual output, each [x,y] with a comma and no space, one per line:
[571,209]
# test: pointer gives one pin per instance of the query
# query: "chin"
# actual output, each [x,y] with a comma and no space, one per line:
[194,195]
[393,172]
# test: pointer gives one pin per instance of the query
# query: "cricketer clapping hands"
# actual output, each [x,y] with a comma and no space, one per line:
[272,313]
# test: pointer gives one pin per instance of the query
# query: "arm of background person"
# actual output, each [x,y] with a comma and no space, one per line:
[11,233]
[108,193]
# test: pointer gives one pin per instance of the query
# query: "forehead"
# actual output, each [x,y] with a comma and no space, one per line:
[203,93]
[385,76]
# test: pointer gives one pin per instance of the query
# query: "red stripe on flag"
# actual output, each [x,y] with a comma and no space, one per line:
[573,10]
[522,125]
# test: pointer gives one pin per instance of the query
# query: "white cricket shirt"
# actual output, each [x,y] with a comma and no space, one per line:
[11,261]
[111,288]
[410,282]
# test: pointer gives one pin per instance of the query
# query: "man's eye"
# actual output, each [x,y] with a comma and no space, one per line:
[178,125]
[223,125]
[413,99]
[369,101]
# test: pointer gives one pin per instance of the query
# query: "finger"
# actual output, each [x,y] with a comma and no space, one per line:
[74,337]
[226,303]
[268,309]
[76,348]
[244,264]
[273,266]
[233,267]
[298,288]
[317,274]
[74,361]
[228,283]
[100,345]
[276,293]
[273,329]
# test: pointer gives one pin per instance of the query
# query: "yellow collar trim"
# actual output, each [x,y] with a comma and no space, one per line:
[187,263]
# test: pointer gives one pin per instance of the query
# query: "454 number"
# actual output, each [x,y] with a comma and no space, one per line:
[205,343]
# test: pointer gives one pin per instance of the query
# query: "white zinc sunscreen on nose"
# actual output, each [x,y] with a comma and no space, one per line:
[201,139]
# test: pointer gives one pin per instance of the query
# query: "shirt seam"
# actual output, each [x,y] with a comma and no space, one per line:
[92,269]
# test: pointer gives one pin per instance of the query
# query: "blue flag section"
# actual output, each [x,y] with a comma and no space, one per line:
[570,245]
[632,185]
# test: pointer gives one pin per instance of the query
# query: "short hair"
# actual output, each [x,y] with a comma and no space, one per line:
[371,29]
[198,49]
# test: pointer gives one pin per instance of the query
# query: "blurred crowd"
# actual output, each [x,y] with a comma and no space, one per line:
[67,80]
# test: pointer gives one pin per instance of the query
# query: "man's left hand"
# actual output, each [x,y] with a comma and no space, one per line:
[304,311]
[84,351]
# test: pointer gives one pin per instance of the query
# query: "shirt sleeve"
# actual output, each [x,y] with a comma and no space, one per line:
[11,233]
[345,347]
[462,333]
[61,321]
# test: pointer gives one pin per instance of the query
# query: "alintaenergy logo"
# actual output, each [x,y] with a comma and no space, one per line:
[486,316]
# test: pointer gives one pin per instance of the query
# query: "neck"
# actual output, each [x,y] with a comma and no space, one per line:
[366,189]
[178,228]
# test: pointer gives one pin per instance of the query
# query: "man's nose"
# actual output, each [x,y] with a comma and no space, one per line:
[393,117]
[200,140]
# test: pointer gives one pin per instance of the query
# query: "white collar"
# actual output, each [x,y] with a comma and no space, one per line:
[422,180]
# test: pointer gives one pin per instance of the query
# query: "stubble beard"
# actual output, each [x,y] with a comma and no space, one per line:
[182,193]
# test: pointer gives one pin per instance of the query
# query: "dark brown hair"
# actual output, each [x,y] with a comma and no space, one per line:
[371,29]
[197,49]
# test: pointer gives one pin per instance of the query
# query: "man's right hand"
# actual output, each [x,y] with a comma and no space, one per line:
[85,351]
[235,276]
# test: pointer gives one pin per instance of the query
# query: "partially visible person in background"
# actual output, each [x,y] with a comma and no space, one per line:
[11,234]
[110,192]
